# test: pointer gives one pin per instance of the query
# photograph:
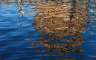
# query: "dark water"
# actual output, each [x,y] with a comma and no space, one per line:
[17,34]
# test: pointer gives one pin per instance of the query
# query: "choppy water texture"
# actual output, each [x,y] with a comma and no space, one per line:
[17,34]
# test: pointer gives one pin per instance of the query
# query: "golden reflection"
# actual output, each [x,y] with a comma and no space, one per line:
[61,18]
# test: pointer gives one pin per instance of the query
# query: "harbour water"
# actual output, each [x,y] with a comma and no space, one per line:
[17,34]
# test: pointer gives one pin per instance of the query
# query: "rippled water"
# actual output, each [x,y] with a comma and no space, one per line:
[17,34]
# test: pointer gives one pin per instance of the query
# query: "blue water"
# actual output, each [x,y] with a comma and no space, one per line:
[17,34]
